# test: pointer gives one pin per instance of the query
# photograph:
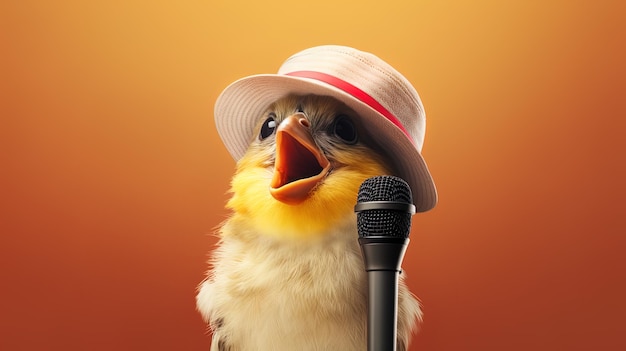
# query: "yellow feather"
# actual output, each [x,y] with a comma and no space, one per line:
[330,202]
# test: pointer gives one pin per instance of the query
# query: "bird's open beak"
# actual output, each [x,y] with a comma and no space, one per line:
[300,164]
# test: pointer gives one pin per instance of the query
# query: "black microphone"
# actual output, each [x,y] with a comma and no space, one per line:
[384,209]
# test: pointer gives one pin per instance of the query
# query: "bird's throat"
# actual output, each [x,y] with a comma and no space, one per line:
[330,204]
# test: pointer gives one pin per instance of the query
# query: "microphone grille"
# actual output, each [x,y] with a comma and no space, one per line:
[384,222]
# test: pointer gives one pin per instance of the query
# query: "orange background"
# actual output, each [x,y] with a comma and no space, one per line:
[113,176]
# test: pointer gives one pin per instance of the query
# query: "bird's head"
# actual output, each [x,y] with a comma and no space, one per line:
[301,172]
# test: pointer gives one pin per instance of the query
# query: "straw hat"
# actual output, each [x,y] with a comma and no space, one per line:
[388,105]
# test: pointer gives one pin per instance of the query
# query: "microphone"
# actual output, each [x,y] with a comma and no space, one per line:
[384,209]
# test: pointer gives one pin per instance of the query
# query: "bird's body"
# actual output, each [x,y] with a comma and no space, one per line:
[288,272]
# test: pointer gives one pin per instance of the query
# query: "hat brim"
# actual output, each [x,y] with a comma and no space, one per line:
[239,106]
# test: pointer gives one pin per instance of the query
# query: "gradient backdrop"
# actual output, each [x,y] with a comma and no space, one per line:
[113,176]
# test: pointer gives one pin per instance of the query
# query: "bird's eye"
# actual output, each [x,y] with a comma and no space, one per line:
[268,126]
[345,129]
[299,109]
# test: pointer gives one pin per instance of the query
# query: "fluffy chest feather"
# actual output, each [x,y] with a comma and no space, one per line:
[265,295]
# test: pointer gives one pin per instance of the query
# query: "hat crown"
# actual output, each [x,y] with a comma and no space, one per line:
[372,76]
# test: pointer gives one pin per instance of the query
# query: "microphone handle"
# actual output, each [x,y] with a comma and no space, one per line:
[383,258]
[382,319]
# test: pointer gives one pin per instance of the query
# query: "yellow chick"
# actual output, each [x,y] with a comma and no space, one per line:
[288,273]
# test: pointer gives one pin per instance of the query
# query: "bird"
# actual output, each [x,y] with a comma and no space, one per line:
[288,273]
